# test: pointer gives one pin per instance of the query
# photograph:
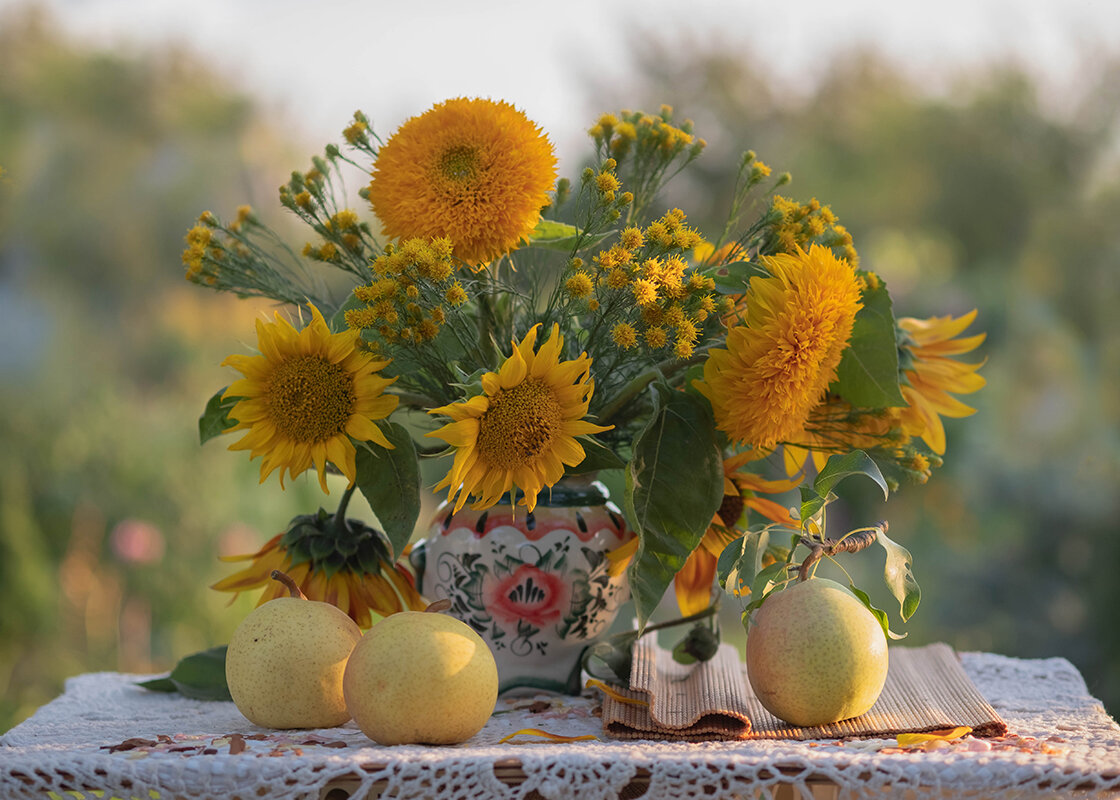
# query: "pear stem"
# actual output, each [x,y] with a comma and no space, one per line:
[439,605]
[285,579]
[851,542]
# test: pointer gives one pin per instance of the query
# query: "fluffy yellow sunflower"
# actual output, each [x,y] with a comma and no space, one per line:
[780,361]
[305,396]
[354,591]
[476,171]
[930,374]
[522,431]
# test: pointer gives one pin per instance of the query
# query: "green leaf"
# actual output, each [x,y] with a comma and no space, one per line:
[868,373]
[899,576]
[878,613]
[674,485]
[597,457]
[761,588]
[838,467]
[159,685]
[390,482]
[201,676]
[741,561]
[553,235]
[734,278]
[215,419]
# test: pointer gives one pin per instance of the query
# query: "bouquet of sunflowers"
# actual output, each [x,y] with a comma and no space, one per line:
[522,328]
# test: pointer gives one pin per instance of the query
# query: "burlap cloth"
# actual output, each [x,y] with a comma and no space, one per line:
[926,690]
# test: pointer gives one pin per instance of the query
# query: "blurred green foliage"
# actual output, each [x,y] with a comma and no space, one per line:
[980,196]
[112,516]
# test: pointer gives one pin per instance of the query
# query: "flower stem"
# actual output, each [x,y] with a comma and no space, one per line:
[340,523]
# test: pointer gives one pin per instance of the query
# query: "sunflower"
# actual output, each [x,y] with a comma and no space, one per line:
[476,171]
[522,431]
[372,584]
[305,396]
[742,491]
[779,362]
[929,374]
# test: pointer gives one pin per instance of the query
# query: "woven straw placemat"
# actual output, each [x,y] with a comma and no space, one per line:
[926,690]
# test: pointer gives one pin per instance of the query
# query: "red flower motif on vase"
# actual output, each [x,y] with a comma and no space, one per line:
[528,594]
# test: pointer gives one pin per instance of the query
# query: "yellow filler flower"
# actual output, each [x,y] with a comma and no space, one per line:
[930,374]
[476,171]
[779,363]
[305,396]
[522,431]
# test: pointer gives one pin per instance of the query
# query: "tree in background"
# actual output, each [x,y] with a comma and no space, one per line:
[111,515]
[980,196]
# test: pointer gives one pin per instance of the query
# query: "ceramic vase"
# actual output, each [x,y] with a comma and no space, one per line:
[535,585]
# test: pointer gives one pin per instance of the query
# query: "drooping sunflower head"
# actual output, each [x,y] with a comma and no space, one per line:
[350,569]
[780,360]
[930,374]
[476,171]
[521,432]
[304,397]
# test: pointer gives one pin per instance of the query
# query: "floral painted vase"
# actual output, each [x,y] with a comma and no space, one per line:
[534,584]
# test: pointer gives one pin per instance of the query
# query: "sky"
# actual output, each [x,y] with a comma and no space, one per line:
[314,63]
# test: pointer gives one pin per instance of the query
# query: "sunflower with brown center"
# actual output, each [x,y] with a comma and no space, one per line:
[476,171]
[304,397]
[521,432]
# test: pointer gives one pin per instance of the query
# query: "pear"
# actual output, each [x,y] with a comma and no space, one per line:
[285,662]
[816,654]
[421,677]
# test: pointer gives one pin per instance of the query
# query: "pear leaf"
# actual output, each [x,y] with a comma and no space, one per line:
[899,576]
[741,561]
[838,467]
[878,613]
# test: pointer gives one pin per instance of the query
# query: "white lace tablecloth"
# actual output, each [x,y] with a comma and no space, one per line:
[1061,744]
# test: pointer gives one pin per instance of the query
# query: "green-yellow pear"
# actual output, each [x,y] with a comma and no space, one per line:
[421,677]
[285,662]
[815,654]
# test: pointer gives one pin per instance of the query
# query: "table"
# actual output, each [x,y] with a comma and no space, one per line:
[1061,744]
